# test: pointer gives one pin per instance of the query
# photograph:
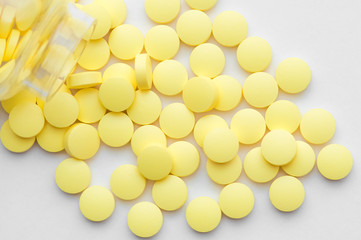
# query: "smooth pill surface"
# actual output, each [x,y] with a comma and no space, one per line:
[143,71]
[7,20]
[102,17]
[22,43]
[95,55]
[13,142]
[21,97]
[334,162]
[203,5]
[11,44]
[283,114]
[116,9]
[185,158]
[230,92]
[205,124]
[6,70]
[121,70]
[145,136]
[162,11]
[224,173]
[25,18]
[51,139]
[84,80]
[91,110]
[2,50]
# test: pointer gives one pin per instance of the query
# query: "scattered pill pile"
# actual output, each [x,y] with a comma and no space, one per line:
[121,100]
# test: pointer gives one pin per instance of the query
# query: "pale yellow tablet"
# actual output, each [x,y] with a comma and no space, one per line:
[203,5]
[145,136]
[116,9]
[176,120]
[11,44]
[51,139]
[22,43]
[287,193]
[102,18]
[334,162]
[120,70]
[7,20]
[84,80]
[2,51]
[13,142]
[230,92]
[170,193]
[303,162]
[21,97]
[162,11]
[224,173]
[205,124]
[6,70]
[185,158]
[91,110]
[143,71]
[25,18]
[283,114]
[254,54]
[207,60]
[95,55]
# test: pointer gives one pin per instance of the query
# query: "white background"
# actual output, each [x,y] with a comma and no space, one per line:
[326,34]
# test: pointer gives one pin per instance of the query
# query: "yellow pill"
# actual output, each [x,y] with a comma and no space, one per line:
[200,94]
[194,27]
[2,51]
[72,176]
[115,129]
[51,139]
[116,94]
[207,60]
[127,183]
[203,5]
[230,28]
[62,110]
[146,136]
[145,219]
[21,97]
[283,114]
[146,107]
[162,11]
[11,44]
[22,43]
[257,168]
[334,162]
[81,141]
[121,70]
[97,203]
[161,42]
[126,42]
[13,142]
[143,72]
[6,70]
[303,162]
[170,193]
[221,145]
[25,17]
[95,55]
[91,110]
[185,158]
[170,77]
[254,54]
[7,20]
[155,162]
[249,126]
[224,173]
[236,200]
[205,124]
[116,9]
[230,92]
[293,75]
[260,90]
[317,126]
[203,214]
[279,147]
[287,193]
[84,80]
[63,88]
[176,120]
[26,120]
[102,18]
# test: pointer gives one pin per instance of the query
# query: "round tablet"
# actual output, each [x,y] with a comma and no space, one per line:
[283,114]
[62,110]
[224,173]
[303,162]
[176,120]
[230,92]
[249,126]
[7,20]
[334,162]
[91,110]
[236,200]
[194,27]
[279,147]
[170,193]
[21,97]
[26,120]
[155,162]
[317,126]
[127,183]
[146,107]
[161,42]
[97,203]
[95,55]
[260,89]
[102,18]
[221,145]
[81,141]
[203,214]
[11,44]
[287,193]
[116,9]
[7,69]
[293,75]
[254,54]
[84,80]
[126,42]
[200,94]
[230,28]
[205,124]
[51,139]
[116,94]
[143,71]
[162,11]
[26,18]
[121,70]
[115,129]
[13,142]
[72,176]
[145,219]
[257,168]
[203,5]
[207,60]
[185,158]
[145,136]
[170,77]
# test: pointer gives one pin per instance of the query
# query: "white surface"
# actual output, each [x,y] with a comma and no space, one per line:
[326,34]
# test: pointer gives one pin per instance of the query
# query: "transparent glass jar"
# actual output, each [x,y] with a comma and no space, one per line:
[51,47]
